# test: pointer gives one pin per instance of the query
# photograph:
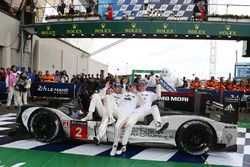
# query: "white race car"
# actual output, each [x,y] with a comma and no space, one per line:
[191,133]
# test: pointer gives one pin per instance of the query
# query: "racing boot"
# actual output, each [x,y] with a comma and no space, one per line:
[88,117]
[97,140]
[122,150]
[113,151]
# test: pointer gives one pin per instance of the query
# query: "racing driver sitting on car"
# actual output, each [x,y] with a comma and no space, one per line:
[116,94]
[97,100]
[96,103]
[144,110]
[122,111]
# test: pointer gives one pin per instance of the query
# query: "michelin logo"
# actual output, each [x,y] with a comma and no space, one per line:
[167,98]
[229,108]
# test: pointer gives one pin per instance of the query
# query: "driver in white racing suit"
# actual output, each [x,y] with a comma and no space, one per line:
[96,103]
[118,90]
[144,110]
[127,105]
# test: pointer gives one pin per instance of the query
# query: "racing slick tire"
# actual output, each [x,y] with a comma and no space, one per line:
[195,137]
[44,125]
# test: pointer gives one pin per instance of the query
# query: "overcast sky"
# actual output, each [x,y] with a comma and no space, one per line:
[183,57]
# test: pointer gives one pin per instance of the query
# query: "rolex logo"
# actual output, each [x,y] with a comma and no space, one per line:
[196,26]
[74,26]
[48,27]
[228,27]
[165,25]
[103,25]
[133,25]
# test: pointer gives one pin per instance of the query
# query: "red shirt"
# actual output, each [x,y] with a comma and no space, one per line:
[109,14]
[195,85]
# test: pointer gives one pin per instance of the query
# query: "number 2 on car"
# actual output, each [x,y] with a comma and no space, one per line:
[78,131]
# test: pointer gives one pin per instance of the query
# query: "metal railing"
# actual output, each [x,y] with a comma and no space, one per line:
[226,11]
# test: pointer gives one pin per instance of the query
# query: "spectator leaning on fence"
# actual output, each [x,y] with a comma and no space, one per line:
[202,11]
[195,84]
[47,77]
[60,8]
[57,76]
[221,84]
[64,77]
[109,13]
[211,84]
[229,85]
[71,9]
[38,77]
[185,83]
[30,74]
[241,87]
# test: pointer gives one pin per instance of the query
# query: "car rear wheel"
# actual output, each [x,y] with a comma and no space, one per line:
[45,126]
[195,137]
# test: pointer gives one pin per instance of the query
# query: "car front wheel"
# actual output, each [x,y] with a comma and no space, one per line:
[45,126]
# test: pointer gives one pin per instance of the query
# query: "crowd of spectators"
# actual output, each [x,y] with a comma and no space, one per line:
[91,8]
[18,81]
[79,78]
[58,76]
[242,86]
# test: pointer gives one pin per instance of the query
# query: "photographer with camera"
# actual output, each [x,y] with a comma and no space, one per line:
[22,85]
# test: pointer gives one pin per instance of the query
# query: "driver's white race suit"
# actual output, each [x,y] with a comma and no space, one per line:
[127,105]
[98,102]
[140,113]
[107,114]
